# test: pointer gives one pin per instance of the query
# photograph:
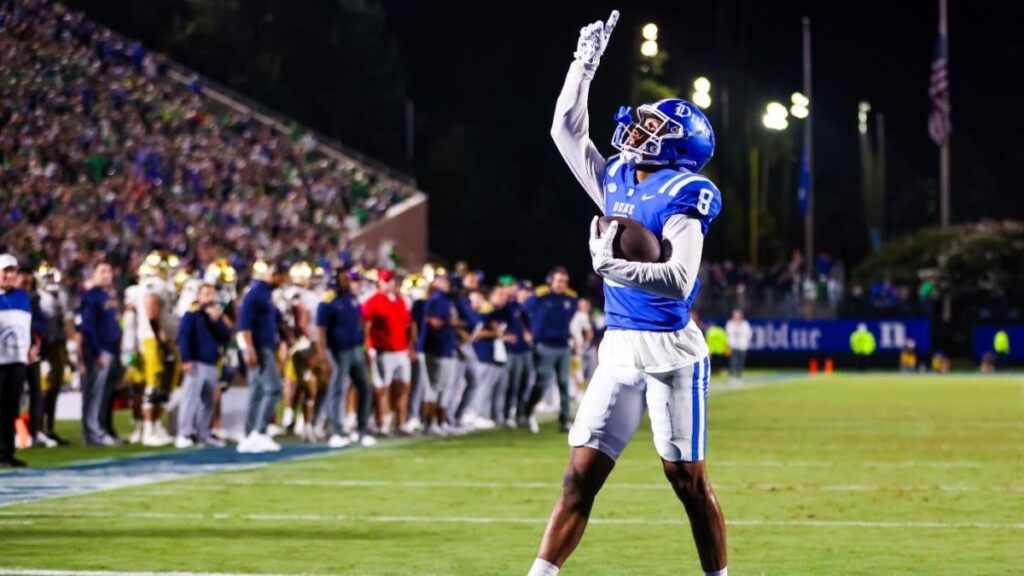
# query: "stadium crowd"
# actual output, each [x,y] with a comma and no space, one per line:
[104,151]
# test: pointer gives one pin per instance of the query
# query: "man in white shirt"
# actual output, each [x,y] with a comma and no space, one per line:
[739,333]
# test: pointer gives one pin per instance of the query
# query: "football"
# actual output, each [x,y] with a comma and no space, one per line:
[633,241]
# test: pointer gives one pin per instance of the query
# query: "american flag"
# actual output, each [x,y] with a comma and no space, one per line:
[939,125]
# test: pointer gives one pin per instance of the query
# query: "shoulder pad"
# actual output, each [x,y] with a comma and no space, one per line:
[329,296]
[571,292]
[194,307]
[542,290]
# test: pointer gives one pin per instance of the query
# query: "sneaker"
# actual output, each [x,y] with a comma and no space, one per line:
[219,433]
[136,436]
[13,463]
[436,431]
[450,430]
[273,430]
[249,444]
[564,428]
[353,436]
[531,423]
[109,441]
[367,441]
[267,443]
[288,418]
[484,424]
[511,423]
[412,425]
[155,440]
[182,442]
[44,441]
[212,442]
[338,441]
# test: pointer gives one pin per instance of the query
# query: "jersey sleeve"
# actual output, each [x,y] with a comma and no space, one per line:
[696,198]
[570,129]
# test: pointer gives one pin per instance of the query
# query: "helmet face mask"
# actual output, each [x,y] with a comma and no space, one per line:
[670,132]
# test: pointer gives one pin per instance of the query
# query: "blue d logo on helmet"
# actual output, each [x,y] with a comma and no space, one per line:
[681,136]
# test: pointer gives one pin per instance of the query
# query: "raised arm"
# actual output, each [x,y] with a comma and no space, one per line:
[570,128]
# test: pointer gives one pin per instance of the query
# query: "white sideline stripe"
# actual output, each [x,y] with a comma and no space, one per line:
[36,572]
[927,524]
[612,485]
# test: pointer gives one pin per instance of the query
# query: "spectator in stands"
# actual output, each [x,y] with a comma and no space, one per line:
[120,157]
[739,333]
[99,332]
[15,324]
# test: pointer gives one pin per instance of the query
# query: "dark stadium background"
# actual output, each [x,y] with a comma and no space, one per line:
[483,77]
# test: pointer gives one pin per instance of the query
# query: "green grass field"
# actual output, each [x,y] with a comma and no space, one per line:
[839,475]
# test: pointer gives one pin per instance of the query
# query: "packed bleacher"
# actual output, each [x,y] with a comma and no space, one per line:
[105,152]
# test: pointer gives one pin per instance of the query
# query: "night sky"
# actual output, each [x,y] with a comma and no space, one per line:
[484,77]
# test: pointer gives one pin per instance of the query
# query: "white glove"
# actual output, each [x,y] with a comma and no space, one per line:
[593,40]
[601,246]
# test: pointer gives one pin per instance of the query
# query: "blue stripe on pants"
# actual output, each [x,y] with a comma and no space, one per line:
[704,426]
[695,434]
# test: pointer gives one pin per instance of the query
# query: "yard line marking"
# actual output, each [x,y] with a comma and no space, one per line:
[37,572]
[924,524]
[471,484]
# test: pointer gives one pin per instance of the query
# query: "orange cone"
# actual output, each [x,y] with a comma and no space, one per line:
[829,367]
[812,366]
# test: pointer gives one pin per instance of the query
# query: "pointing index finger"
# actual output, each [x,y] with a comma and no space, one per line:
[613,19]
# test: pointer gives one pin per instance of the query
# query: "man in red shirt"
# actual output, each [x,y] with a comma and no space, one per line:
[391,337]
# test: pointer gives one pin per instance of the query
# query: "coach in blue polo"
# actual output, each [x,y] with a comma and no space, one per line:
[99,328]
[257,324]
[203,334]
[551,310]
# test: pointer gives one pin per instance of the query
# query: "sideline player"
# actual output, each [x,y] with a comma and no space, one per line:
[652,353]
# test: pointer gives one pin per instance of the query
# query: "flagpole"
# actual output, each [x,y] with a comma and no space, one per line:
[808,151]
[944,156]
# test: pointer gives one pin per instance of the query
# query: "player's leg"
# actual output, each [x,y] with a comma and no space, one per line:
[381,390]
[546,360]
[514,369]
[270,380]
[608,416]
[401,375]
[290,392]
[678,409]
[361,382]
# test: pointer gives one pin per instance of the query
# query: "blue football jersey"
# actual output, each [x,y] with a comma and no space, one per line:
[664,194]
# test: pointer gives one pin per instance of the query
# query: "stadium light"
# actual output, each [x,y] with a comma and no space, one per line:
[801,106]
[775,117]
[862,117]
[649,48]
[701,92]
[650,31]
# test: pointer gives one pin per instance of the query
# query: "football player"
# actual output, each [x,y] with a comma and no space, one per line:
[652,353]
